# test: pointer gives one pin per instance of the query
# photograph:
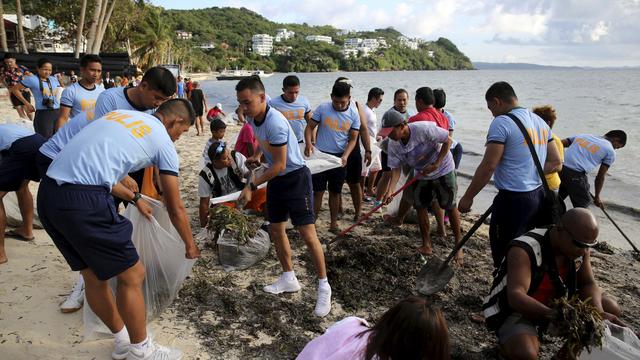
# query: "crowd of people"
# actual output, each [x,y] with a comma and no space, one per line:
[100,145]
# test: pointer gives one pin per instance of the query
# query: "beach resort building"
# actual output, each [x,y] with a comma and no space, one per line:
[262,44]
[184,35]
[42,35]
[284,34]
[321,38]
[410,43]
[349,52]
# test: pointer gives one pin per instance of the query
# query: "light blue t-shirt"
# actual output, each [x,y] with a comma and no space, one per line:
[334,127]
[33,83]
[275,131]
[9,133]
[422,149]
[452,126]
[516,170]
[80,99]
[294,112]
[587,152]
[115,99]
[110,147]
[52,147]
[181,89]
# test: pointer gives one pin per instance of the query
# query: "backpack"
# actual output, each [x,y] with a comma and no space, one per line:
[536,243]
[233,172]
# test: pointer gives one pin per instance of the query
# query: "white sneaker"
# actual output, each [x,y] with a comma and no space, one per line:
[283,285]
[120,350]
[154,351]
[75,300]
[323,303]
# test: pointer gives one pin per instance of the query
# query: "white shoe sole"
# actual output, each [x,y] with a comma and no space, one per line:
[282,291]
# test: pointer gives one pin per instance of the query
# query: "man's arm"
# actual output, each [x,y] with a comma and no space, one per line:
[353,142]
[279,155]
[178,214]
[203,211]
[587,285]
[566,142]
[204,101]
[553,162]
[599,184]
[16,90]
[63,117]
[393,182]
[518,282]
[364,134]
[492,155]
[444,150]
[308,136]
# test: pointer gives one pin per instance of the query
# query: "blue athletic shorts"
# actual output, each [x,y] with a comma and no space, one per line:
[290,195]
[18,162]
[334,178]
[83,223]
[42,163]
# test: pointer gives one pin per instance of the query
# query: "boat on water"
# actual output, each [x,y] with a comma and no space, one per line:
[240,74]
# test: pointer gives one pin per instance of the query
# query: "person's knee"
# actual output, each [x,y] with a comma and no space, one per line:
[522,348]
[133,276]
[610,305]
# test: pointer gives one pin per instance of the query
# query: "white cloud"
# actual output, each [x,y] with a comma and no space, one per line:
[502,22]
[601,29]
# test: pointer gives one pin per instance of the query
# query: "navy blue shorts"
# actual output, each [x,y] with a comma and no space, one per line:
[383,160]
[514,213]
[83,223]
[333,177]
[42,163]
[18,162]
[354,166]
[291,195]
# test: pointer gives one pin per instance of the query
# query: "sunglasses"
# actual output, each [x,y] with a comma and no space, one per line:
[577,243]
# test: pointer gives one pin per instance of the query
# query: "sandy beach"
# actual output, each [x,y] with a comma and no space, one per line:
[221,315]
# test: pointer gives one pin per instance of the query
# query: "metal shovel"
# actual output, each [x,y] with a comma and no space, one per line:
[435,274]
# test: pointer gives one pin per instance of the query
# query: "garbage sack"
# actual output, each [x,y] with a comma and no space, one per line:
[162,252]
[375,152]
[394,205]
[619,343]
[235,256]
[12,210]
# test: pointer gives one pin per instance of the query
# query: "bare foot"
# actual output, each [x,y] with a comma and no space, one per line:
[459,258]
[334,230]
[3,258]
[391,220]
[425,250]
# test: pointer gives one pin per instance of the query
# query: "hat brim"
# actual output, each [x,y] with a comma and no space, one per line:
[385,131]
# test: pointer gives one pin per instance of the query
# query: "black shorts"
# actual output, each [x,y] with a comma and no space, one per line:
[290,195]
[574,184]
[18,162]
[354,166]
[16,102]
[84,225]
[383,159]
[44,122]
[42,163]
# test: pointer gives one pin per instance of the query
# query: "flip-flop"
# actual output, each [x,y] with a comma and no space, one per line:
[12,234]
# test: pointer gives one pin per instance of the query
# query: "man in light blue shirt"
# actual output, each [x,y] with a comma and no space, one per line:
[180,85]
[508,158]
[338,125]
[81,96]
[18,147]
[77,212]
[293,106]
[582,155]
[288,189]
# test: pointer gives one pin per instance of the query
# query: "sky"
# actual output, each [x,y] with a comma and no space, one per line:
[551,32]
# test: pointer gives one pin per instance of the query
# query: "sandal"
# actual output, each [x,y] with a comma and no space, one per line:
[12,234]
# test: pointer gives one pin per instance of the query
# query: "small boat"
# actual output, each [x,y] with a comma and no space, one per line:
[240,74]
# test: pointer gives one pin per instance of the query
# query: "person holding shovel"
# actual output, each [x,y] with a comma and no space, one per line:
[424,147]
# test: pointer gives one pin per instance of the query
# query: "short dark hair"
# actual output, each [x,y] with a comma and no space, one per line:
[501,90]
[217,124]
[425,94]
[252,83]
[398,92]
[43,61]
[89,58]
[374,93]
[160,79]
[619,135]
[9,55]
[341,89]
[290,81]
[440,98]
[179,107]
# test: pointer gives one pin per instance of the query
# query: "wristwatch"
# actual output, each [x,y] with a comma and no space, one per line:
[252,186]
[136,196]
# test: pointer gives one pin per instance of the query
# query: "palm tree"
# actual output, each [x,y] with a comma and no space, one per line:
[94,25]
[21,41]
[151,40]
[3,34]
[80,29]
[102,28]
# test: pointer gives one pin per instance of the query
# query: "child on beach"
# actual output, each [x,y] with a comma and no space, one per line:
[216,113]
[218,129]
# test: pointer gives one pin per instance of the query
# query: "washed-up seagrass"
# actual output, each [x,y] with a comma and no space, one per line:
[581,326]
[234,221]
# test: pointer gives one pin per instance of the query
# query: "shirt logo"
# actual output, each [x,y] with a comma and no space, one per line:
[138,128]
[335,124]
[537,138]
[292,115]
[88,107]
[591,147]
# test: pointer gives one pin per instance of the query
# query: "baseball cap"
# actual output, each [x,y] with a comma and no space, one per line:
[219,106]
[390,119]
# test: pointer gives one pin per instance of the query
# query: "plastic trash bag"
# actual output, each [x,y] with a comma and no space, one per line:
[375,152]
[619,343]
[162,252]
[394,205]
[234,256]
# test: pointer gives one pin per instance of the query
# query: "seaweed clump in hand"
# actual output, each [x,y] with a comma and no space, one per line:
[232,220]
[579,323]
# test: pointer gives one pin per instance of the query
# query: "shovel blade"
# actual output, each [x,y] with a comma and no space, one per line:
[433,277]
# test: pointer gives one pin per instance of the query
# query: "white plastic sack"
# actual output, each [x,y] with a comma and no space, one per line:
[162,252]
[619,343]
[375,152]
[392,209]
[234,256]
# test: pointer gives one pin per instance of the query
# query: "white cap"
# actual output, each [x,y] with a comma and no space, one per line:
[219,106]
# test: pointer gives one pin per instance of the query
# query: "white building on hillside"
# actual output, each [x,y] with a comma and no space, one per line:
[184,35]
[349,52]
[321,38]
[352,42]
[42,35]
[410,43]
[284,34]
[207,46]
[344,32]
[262,44]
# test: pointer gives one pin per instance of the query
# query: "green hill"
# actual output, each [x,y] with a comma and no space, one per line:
[231,29]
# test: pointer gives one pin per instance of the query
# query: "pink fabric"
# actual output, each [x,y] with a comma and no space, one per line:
[339,342]
[246,137]
[431,114]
